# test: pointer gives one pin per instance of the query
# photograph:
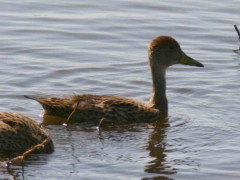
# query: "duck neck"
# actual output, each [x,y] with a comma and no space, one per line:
[158,98]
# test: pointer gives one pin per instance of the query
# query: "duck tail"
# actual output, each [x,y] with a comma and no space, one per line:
[29,97]
[38,99]
[52,106]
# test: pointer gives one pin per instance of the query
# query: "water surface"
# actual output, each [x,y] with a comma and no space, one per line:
[67,47]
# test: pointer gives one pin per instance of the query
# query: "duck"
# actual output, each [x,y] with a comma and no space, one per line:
[163,52]
[21,134]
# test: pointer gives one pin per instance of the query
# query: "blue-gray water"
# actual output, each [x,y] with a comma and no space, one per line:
[64,47]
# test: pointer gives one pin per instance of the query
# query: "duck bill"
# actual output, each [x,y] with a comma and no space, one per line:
[186,60]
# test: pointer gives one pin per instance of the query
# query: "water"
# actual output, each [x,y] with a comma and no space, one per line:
[66,47]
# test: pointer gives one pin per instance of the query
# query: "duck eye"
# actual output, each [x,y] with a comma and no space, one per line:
[171,47]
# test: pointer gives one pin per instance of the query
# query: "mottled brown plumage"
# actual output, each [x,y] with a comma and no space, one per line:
[18,133]
[94,108]
[163,52]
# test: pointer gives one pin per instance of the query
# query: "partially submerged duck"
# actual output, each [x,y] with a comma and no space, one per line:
[21,134]
[163,51]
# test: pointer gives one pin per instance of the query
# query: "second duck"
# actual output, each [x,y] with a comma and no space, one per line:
[163,51]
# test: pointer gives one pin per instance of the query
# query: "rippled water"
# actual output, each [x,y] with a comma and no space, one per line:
[66,47]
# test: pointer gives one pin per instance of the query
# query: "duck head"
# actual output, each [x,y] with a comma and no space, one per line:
[164,51]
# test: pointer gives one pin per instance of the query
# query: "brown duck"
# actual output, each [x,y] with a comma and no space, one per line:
[163,52]
[19,133]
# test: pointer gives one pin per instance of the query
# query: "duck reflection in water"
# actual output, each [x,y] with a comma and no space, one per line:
[156,147]
[21,172]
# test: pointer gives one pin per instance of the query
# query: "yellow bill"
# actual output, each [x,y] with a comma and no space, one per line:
[186,60]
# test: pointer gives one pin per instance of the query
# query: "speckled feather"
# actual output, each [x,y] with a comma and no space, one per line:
[93,108]
[19,133]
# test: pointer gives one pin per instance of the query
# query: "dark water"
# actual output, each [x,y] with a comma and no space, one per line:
[66,47]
